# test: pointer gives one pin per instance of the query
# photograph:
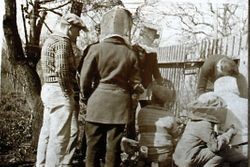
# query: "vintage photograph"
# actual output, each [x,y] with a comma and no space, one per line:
[124,83]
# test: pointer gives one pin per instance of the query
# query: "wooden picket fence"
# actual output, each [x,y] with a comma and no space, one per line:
[181,63]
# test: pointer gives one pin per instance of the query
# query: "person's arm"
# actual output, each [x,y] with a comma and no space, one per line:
[206,70]
[216,143]
[177,129]
[62,63]
[135,77]
[242,85]
[156,72]
[88,70]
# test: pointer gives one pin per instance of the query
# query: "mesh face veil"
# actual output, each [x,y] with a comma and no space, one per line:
[116,22]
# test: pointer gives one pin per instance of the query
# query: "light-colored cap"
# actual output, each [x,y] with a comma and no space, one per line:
[208,107]
[73,19]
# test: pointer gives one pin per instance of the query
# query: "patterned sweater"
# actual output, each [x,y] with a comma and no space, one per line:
[58,64]
[157,130]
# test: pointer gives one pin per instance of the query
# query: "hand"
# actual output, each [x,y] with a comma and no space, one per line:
[233,129]
[67,92]
[138,88]
[83,100]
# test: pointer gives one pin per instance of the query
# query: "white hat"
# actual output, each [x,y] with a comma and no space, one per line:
[73,19]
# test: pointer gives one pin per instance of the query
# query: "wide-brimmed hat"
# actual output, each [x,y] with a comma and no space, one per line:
[73,19]
[208,107]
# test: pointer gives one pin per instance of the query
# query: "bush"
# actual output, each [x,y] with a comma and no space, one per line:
[15,132]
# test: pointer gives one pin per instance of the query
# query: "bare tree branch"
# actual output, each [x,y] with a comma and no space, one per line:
[54,8]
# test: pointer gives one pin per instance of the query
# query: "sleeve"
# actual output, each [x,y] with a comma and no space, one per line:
[242,84]
[205,71]
[215,144]
[62,64]
[176,129]
[135,78]
[85,52]
[87,73]
[156,72]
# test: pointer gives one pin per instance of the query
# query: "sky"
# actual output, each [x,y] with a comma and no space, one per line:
[130,4]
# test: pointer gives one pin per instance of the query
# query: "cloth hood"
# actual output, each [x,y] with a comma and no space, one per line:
[116,22]
[226,84]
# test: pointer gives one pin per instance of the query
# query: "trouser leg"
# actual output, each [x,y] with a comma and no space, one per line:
[207,158]
[114,136]
[73,139]
[216,161]
[130,129]
[94,135]
[43,139]
[60,121]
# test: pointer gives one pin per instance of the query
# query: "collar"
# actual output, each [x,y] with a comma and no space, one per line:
[114,38]
[156,107]
[61,35]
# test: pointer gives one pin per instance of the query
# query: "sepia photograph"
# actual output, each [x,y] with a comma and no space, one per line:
[124,83]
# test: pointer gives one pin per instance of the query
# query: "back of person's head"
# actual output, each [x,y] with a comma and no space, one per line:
[163,95]
[116,23]
[227,66]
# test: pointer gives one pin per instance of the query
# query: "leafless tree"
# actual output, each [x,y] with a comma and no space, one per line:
[24,56]
[196,21]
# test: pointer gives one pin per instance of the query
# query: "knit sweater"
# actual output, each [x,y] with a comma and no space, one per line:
[58,64]
[157,130]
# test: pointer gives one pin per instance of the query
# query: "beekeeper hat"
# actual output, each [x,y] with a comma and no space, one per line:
[116,22]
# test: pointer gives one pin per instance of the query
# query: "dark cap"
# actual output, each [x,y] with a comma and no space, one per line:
[162,93]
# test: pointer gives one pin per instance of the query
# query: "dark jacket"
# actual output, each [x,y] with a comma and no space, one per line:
[116,66]
[208,72]
[149,69]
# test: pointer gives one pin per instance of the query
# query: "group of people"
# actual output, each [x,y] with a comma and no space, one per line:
[111,79]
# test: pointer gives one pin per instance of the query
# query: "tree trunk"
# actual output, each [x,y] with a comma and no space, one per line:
[25,64]
[26,73]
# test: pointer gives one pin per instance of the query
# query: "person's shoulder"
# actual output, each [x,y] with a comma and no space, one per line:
[92,47]
[56,39]
[215,58]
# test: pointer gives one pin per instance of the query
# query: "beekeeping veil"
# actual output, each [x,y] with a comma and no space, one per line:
[116,22]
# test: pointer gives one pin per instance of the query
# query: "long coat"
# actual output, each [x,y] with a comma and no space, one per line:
[116,66]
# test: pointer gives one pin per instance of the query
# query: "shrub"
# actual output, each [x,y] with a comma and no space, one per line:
[15,131]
